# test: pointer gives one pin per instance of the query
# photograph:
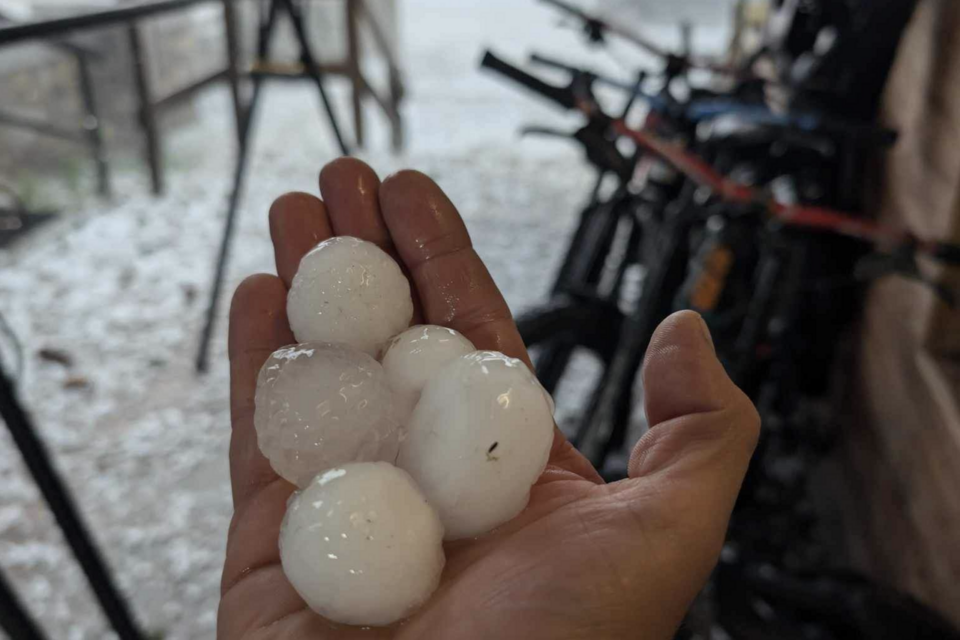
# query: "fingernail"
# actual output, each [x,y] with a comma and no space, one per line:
[706,333]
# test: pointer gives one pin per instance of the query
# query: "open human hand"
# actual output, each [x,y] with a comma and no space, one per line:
[585,559]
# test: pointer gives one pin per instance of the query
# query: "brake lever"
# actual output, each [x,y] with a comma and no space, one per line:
[536,130]
[600,150]
[594,29]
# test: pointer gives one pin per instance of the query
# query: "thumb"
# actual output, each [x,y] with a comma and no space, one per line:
[703,429]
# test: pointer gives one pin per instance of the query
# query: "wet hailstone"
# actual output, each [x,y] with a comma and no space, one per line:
[362,541]
[319,405]
[361,545]
[478,439]
[414,356]
[349,291]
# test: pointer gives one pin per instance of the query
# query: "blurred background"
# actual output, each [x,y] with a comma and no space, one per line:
[119,149]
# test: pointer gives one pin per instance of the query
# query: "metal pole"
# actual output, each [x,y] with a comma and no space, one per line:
[93,126]
[233,68]
[391,105]
[90,19]
[351,12]
[240,169]
[263,49]
[65,511]
[310,63]
[686,38]
[148,116]
[14,619]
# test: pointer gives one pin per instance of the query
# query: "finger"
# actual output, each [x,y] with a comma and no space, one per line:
[298,222]
[255,593]
[686,471]
[703,428]
[258,327]
[350,190]
[453,284]
[455,288]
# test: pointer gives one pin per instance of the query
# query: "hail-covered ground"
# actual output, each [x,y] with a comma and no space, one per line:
[108,303]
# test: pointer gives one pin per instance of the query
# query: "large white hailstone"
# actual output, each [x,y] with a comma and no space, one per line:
[361,545]
[478,439]
[348,290]
[414,356]
[319,405]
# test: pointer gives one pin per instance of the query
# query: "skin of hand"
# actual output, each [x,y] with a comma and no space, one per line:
[585,559]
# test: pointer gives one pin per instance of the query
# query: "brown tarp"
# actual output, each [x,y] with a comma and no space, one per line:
[903,448]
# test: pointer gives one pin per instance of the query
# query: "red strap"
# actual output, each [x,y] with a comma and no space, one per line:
[814,217]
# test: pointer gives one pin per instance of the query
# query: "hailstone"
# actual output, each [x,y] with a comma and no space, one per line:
[349,291]
[414,356]
[361,545]
[478,439]
[319,405]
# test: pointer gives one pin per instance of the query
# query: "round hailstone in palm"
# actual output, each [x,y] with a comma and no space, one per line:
[319,405]
[414,356]
[478,439]
[361,545]
[348,290]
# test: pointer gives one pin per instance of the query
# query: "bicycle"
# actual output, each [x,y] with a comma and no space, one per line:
[711,233]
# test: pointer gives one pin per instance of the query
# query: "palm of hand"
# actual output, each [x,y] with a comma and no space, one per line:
[585,559]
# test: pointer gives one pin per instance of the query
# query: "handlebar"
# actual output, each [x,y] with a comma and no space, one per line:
[563,96]
[802,123]
[595,28]
[543,61]
[601,149]
[536,58]
[701,172]
[569,8]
